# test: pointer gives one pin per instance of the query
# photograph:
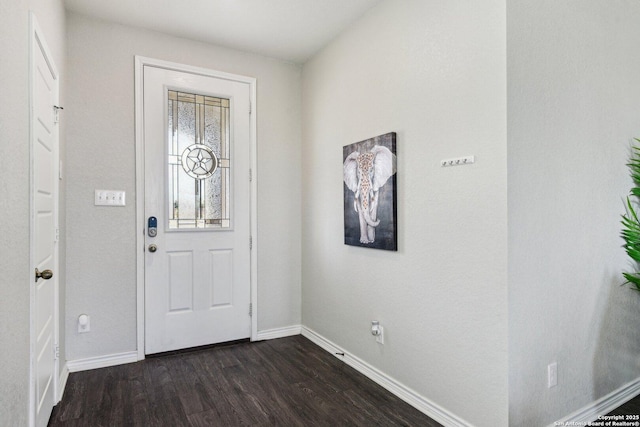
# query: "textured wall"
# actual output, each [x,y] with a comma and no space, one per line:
[14,250]
[572,113]
[435,73]
[101,154]
[14,187]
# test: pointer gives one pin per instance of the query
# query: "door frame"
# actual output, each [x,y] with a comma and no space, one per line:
[140,63]
[38,42]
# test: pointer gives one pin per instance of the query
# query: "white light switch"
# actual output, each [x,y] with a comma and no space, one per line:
[109,198]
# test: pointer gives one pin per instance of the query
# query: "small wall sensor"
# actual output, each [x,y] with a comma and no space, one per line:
[84,323]
[375,328]
[377,331]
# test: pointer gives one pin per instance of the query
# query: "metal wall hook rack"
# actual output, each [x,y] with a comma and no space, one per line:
[458,161]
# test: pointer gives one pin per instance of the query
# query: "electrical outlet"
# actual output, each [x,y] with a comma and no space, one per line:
[377,331]
[380,336]
[552,375]
[84,323]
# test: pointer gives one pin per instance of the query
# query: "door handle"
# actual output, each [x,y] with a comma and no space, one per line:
[152,248]
[46,274]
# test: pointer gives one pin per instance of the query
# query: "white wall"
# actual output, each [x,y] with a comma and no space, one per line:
[435,73]
[572,113]
[101,254]
[16,274]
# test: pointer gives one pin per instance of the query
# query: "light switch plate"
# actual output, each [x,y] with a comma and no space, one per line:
[109,198]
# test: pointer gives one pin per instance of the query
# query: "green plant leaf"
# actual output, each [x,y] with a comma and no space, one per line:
[630,232]
[633,279]
[632,211]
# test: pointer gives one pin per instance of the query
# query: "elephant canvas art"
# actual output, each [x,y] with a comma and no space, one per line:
[369,174]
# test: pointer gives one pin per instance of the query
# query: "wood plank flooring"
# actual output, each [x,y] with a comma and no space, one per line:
[283,382]
[632,407]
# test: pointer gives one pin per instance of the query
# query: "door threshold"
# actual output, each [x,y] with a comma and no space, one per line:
[199,348]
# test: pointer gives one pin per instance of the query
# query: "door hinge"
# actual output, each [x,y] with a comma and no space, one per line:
[56,351]
[57,234]
[56,109]
[250,175]
[250,242]
[250,309]
[250,108]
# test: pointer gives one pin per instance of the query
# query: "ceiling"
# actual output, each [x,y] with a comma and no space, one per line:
[292,30]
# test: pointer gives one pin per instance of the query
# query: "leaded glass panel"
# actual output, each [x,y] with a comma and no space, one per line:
[199,161]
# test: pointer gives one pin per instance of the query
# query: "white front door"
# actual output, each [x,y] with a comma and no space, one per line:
[197,187]
[44,146]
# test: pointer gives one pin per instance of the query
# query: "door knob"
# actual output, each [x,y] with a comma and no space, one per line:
[46,274]
[153,248]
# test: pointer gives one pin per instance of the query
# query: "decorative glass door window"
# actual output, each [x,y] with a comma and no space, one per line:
[199,162]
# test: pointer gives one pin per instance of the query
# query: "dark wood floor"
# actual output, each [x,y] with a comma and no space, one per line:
[632,407]
[283,382]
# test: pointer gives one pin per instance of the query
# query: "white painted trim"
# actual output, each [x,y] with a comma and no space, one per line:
[102,361]
[140,62]
[270,334]
[38,41]
[419,402]
[602,406]
[254,209]
[139,90]
[62,381]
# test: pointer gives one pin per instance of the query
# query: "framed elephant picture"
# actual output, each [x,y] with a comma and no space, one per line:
[369,174]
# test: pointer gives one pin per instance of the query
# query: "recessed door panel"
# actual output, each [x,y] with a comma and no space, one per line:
[221,277]
[180,281]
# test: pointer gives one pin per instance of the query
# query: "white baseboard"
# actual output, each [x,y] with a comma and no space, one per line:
[419,402]
[132,356]
[102,361]
[270,334]
[62,381]
[602,406]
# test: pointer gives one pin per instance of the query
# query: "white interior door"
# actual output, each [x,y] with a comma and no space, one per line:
[197,161]
[44,224]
